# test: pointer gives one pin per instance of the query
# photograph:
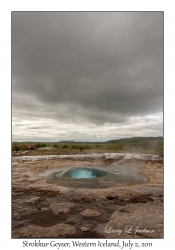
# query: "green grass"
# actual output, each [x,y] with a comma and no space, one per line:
[152,145]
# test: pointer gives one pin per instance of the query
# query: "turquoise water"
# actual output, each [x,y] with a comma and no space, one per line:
[93,177]
[85,173]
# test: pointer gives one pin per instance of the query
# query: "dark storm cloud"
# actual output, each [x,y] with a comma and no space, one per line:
[101,66]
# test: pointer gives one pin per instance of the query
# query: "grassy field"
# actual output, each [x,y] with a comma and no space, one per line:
[152,145]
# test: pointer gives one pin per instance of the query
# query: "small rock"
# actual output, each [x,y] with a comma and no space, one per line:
[44,209]
[17,200]
[90,212]
[25,175]
[111,197]
[123,210]
[62,207]
[126,200]
[83,199]
[85,229]
[33,200]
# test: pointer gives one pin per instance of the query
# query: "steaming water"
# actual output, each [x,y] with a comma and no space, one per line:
[91,177]
[82,173]
[85,173]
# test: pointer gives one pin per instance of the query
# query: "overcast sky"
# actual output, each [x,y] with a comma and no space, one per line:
[86,76]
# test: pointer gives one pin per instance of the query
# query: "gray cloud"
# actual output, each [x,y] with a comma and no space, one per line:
[92,67]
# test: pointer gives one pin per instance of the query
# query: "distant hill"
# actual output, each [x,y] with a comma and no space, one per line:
[138,144]
[68,141]
[135,139]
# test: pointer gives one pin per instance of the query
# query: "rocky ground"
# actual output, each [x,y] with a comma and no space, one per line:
[41,209]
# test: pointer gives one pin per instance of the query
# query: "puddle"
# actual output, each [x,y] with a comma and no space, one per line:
[45,218]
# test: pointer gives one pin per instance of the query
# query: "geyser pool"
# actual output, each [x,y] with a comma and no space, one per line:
[85,173]
[95,177]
